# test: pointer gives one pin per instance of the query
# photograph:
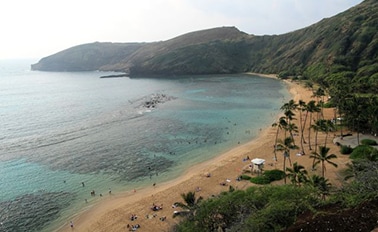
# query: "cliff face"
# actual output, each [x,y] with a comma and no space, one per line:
[346,43]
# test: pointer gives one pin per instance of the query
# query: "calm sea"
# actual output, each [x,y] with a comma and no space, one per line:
[64,134]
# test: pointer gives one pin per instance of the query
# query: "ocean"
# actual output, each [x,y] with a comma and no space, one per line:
[65,134]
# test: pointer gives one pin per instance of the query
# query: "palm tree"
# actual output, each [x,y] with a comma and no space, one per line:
[289,116]
[291,127]
[319,94]
[297,174]
[289,106]
[285,146]
[281,124]
[357,113]
[288,109]
[340,90]
[319,125]
[328,126]
[321,184]
[311,108]
[301,107]
[373,112]
[322,157]
[189,207]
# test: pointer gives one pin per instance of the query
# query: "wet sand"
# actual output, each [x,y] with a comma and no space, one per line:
[114,211]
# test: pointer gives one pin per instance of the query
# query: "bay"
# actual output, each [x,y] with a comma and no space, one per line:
[64,134]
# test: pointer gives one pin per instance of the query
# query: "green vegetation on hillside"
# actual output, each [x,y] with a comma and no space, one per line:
[342,48]
[308,201]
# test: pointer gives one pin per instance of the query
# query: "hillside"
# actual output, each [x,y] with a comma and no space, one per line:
[344,45]
[87,57]
[193,53]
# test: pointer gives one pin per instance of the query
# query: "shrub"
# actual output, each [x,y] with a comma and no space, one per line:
[361,152]
[274,174]
[369,142]
[245,177]
[329,104]
[345,150]
[260,180]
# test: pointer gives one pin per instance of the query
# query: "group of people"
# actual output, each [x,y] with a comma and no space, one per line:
[133,227]
[133,217]
[156,207]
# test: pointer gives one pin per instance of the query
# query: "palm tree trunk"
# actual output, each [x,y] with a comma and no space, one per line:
[284,168]
[309,133]
[275,144]
[316,139]
[292,136]
[301,126]
[316,145]
[289,160]
[341,124]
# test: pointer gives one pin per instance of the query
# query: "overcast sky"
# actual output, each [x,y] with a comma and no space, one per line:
[38,28]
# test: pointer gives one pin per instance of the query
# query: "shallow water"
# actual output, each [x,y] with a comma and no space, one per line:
[61,129]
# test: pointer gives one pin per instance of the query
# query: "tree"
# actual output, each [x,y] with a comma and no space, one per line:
[363,173]
[310,109]
[281,124]
[319,94]
[322,157]
[289,106]
[301,107]
[291,127]
[320,184]
[355,114]
[324,126]
[297,174]
[372,112]
[327,127]
[317,127]
[285,146]
[339,90]
[190,205]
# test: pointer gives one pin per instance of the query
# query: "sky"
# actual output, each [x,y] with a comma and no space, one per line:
[38,28]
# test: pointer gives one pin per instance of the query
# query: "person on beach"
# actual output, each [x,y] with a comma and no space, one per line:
[71,224]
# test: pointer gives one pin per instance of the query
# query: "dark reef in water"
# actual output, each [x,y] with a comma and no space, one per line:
[156,99]
[32,212]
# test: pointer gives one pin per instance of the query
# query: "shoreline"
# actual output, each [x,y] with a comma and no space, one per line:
[113,213]
[85,220]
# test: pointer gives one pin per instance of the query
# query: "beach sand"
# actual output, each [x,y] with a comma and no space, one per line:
[114,211]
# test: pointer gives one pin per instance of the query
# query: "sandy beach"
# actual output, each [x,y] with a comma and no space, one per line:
[114,211]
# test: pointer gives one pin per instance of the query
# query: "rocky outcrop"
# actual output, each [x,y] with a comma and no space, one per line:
[155,99]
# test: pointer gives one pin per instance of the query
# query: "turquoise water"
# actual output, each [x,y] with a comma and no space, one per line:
[61,129]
